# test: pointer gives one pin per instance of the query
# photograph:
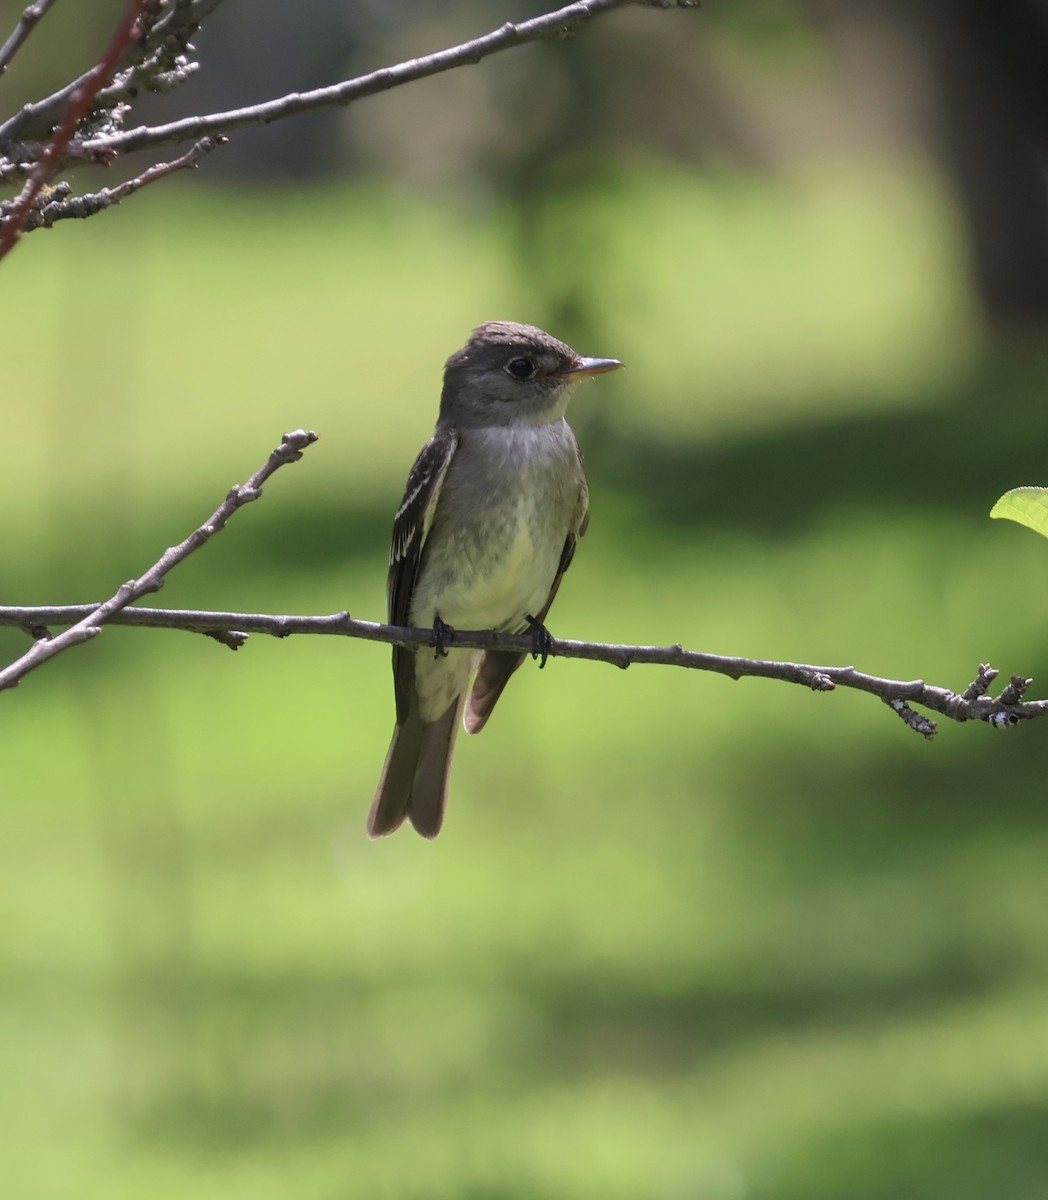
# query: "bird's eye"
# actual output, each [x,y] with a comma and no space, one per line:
[521,368]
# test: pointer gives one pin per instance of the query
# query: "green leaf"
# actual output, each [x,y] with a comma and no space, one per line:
[1027,505]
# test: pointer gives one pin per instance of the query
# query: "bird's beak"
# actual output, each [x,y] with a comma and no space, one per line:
[584,367]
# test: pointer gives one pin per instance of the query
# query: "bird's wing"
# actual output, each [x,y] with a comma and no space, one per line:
[495,668]
[410,530]
[579,525]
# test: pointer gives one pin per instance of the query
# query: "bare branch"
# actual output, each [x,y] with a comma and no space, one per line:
[969,705]
[47,164]
[90,623]
[151,51]
[560,23]
[30,17]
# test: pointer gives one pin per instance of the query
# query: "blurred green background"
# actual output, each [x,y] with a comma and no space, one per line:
[681,937]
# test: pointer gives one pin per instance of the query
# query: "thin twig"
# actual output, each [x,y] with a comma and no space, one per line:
[88,625]
[13,224]
[900,694]
[30,18]
[57,204]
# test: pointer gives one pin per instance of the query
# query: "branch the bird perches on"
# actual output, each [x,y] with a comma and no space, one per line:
[84,621]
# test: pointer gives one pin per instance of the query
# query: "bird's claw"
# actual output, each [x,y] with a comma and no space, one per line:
[541,639]
[443,636]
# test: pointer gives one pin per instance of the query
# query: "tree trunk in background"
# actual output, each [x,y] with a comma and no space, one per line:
[984,116]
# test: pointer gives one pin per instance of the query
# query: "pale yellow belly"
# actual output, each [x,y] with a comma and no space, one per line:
[496,593]
[516,584]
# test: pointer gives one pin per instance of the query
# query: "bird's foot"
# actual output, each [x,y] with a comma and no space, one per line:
[541,639]
[443,636]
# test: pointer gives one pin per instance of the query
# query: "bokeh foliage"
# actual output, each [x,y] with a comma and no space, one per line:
[680,937]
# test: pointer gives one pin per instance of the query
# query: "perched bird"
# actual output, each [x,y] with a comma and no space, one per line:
[493,508]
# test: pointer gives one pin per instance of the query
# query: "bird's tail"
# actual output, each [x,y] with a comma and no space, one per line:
[414,782]
[492,676]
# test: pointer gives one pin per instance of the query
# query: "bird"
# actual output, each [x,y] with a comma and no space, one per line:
[494,506]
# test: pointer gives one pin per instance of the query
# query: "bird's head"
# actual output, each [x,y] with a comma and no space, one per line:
[510,374]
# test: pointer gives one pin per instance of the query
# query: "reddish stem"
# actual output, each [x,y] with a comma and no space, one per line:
[79,102]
